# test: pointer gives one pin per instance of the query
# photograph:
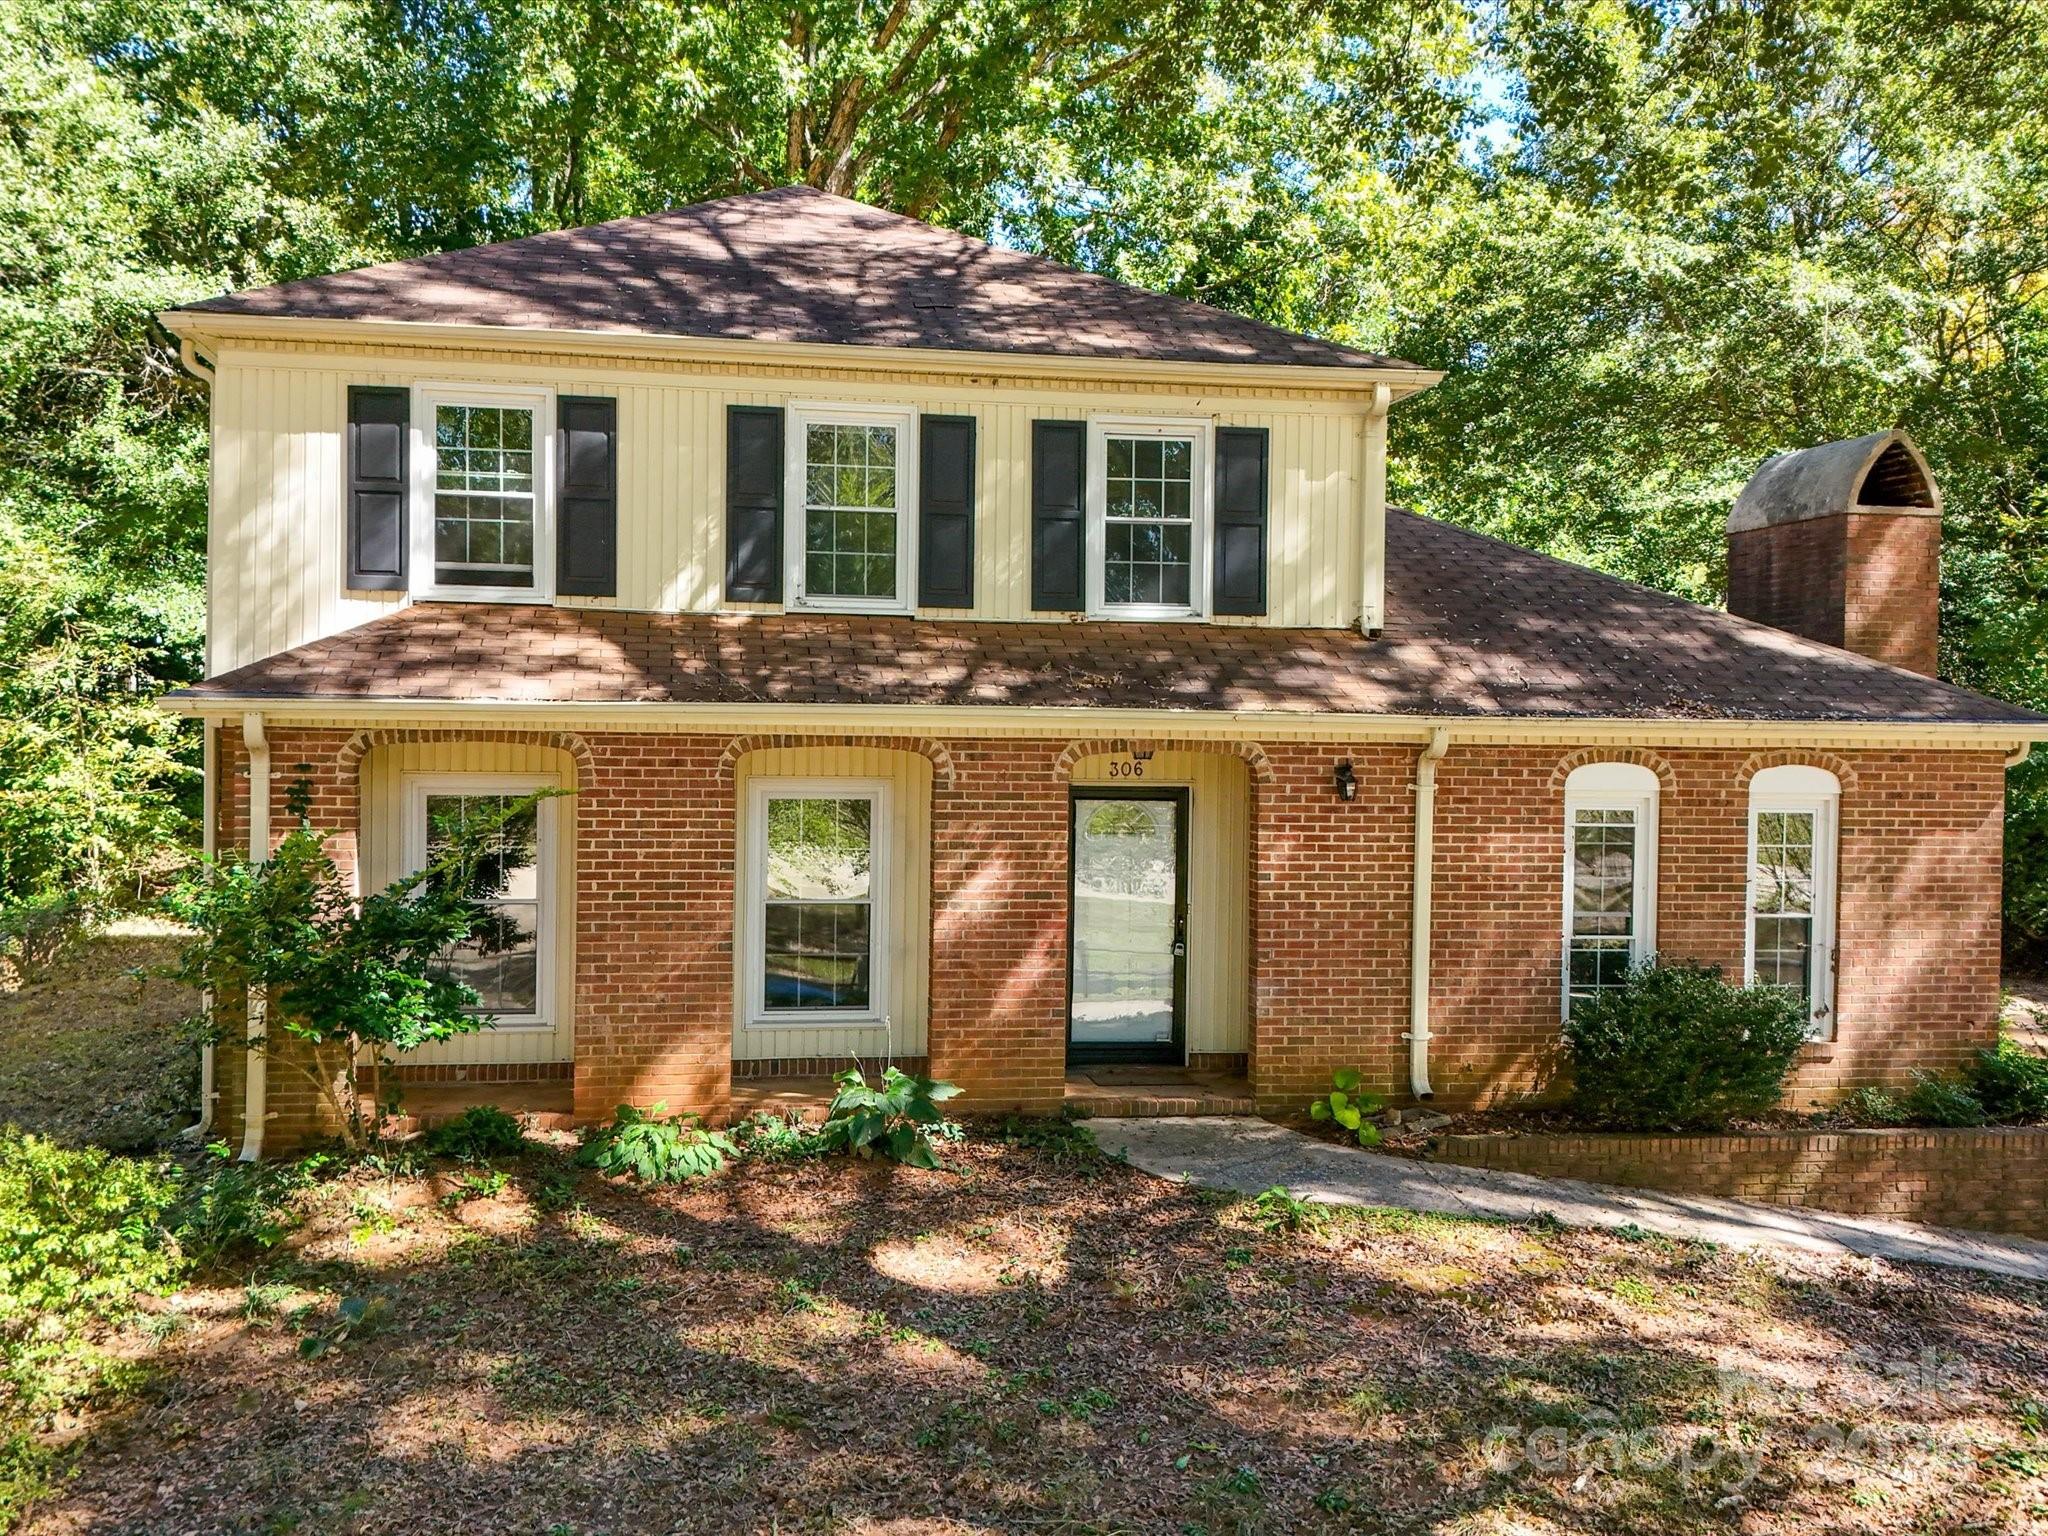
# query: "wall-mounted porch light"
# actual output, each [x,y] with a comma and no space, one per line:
[1347,781]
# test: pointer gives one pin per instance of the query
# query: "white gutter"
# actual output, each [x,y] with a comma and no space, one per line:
[980,720]
[1418,1036]
[255,1101]
[2019,754]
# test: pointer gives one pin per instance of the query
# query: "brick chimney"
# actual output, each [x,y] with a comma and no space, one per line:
[1842,544]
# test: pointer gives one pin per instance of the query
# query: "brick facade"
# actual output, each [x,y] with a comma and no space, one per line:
[1995,1179]
[654,825]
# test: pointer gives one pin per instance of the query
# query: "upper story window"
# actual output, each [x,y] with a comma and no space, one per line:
[1793,814]
[482,528]
[1148,518]
[851,481]
[1610,876]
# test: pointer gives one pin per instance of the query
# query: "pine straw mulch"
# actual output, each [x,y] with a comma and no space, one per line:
[93,1054]
[1035,1345]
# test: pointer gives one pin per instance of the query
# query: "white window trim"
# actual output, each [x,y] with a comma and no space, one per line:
[1201,493]
[1612,787]
[804,414]
[1796,787]
[541,401]
[753,917]
[418,786]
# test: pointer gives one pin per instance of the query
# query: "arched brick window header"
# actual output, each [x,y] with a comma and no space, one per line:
[1249,752]
[1840,767]
[1587,757]
[940,756]
[358,746]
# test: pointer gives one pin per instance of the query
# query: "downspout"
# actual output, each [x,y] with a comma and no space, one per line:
[255,1098]
[1419,917]
[188,354]
[209,764]
[2018,755]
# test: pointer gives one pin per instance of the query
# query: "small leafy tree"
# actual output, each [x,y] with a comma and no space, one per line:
[1675,1047]
[897,1120]
[342,975]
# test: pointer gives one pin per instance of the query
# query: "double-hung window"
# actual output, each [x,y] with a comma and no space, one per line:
[1148,518]
[1793,814]
[483,466]
[852,486]
[1610,876]
[816,883]
[509,964]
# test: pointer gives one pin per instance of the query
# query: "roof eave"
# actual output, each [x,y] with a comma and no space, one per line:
[214,327]
[1092,721]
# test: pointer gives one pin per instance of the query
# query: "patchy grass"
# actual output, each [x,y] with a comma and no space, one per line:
[1035,1341]
[92,1055]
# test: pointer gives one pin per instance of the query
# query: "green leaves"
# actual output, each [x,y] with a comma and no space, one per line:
[1349,1108]
[896,1121]
[654,1147]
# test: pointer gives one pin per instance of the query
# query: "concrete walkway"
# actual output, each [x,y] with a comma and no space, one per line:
[1251,1156]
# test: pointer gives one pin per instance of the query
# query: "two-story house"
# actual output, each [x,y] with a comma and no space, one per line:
[960,658]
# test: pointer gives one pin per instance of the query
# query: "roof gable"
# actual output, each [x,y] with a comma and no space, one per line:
[792,265]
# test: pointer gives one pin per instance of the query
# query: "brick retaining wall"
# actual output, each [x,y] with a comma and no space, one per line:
[1995,1179]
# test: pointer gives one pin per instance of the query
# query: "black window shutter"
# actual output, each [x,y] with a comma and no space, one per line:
[379,439]
[753,504]
[1059,478]
[945,527]
[587,511]
[1239,580]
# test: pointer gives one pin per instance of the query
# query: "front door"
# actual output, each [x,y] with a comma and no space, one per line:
[1128,909]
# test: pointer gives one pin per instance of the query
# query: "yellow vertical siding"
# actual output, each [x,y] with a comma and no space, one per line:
[1219,887]
[907,895]
[382,849]
[278,525]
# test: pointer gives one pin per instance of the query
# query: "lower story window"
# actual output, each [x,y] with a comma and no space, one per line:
[1610,876]
[817,878]
[1791,886]
[506,963]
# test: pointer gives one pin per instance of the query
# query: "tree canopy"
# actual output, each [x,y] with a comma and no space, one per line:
[1650,244]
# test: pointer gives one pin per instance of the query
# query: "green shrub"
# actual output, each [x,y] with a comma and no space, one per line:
[1675,1047]
[898,1120]
[773,1138]
[2011,1083]
[478,1134]
[655,1147]
[231,1209]
[81,1233]
[1062,1137]
[1871,1109]
[1941,1101]
[36,932]
[1350,1108]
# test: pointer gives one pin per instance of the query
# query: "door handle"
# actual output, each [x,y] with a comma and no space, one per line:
[1180,938]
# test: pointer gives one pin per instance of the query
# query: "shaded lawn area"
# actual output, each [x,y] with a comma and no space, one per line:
[1024,1343]
[91,1055]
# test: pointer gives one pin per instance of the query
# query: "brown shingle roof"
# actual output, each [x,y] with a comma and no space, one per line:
[1475,628]
[792,265]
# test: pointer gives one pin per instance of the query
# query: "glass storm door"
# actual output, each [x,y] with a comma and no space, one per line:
[1128,907]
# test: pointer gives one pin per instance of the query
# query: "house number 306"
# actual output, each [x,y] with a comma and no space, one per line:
[1126,768]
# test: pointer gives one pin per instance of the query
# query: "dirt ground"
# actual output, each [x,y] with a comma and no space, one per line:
[1022,1343]
[92,1053]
